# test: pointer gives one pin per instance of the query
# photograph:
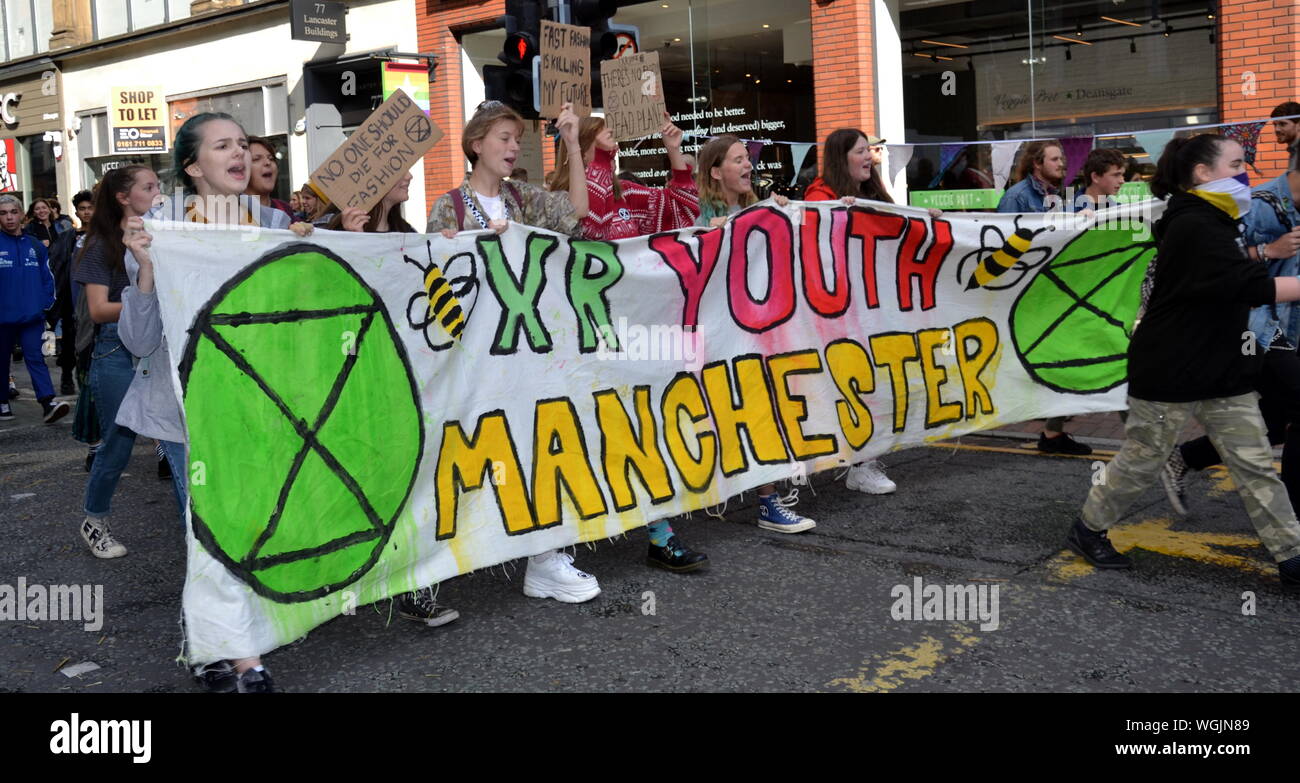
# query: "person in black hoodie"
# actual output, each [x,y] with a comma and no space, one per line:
[1186,357]
[61,251]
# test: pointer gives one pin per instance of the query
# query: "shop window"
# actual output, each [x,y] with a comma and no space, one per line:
[729,66]
[147,13]
[111,18]
[35,169]
[177,9]
[1007,69]
[115,17]
[245,106]
[20,28]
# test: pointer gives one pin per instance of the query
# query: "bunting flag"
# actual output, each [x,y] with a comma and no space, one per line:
[755,149]
[1154,141]
[1076,149]
[1247,136]
[1003,156]
[898,155]
[799,154]
[947,154]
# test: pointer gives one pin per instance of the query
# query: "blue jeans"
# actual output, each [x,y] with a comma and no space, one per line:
[110,376]
[111,372]
[175,453]
[27,335]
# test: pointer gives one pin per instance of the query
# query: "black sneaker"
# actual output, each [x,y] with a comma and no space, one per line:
[1289,570]
[253,681]
[420,607]
[217,677]
[676,557]
[1062,444]
[6,411]
[1095,547]
[54,410]
[1174,478]
[13,390]
[67,388]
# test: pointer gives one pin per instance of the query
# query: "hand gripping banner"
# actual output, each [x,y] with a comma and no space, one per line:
[372,413]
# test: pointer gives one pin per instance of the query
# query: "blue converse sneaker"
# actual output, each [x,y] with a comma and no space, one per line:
[774,513]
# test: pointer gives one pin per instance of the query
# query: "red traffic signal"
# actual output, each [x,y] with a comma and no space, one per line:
[520,49]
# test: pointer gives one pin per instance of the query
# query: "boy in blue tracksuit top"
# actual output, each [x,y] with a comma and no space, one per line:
[26,292]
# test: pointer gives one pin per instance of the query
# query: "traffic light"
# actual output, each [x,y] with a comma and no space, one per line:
[596,14]
[515,82]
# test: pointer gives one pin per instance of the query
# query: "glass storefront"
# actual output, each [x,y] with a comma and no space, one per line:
[1007,69]
[728,66]
[27,168]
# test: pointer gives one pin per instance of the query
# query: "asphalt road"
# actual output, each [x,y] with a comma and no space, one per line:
[809,612]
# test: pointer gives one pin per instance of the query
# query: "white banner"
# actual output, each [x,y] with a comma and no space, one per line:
[372,413]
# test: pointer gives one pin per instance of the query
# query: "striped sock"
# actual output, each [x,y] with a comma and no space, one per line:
[660,532]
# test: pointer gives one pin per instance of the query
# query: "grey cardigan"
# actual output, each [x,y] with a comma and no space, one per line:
[150,407]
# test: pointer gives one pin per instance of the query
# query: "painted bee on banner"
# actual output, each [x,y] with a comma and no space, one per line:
[442,308]
[995,257]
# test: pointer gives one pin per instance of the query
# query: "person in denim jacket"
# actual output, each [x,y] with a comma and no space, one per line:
[1271,230]
[1038,177]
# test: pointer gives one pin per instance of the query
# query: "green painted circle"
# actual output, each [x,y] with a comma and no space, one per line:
[1070,326]
[299,496]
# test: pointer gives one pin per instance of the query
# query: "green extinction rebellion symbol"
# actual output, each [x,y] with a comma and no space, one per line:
[1071,324]
[304,414]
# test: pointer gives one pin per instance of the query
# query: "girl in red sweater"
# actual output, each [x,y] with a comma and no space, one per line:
[620,209]
[848,174]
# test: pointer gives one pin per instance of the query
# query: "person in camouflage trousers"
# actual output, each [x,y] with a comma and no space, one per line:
[1235,427]
[1189,355]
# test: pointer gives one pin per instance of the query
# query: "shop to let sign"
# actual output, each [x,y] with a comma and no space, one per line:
[316,21]
[381,150]
[566,69]
[634,95]
[137,120]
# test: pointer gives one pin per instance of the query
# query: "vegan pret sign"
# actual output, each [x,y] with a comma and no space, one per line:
[320,22]
[137,120]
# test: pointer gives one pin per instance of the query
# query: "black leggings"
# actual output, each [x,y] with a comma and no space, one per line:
[1279,402]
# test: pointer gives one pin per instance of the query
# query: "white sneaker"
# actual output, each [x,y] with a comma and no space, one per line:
[552,575]
[96,534]
[869,478]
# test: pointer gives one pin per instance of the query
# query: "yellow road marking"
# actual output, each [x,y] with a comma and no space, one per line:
[884,673]
[887,671]
[1156,535]
[1029,450]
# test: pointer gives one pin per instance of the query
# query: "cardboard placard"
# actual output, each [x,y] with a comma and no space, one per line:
[566,68]
[634,95]
[377,154]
